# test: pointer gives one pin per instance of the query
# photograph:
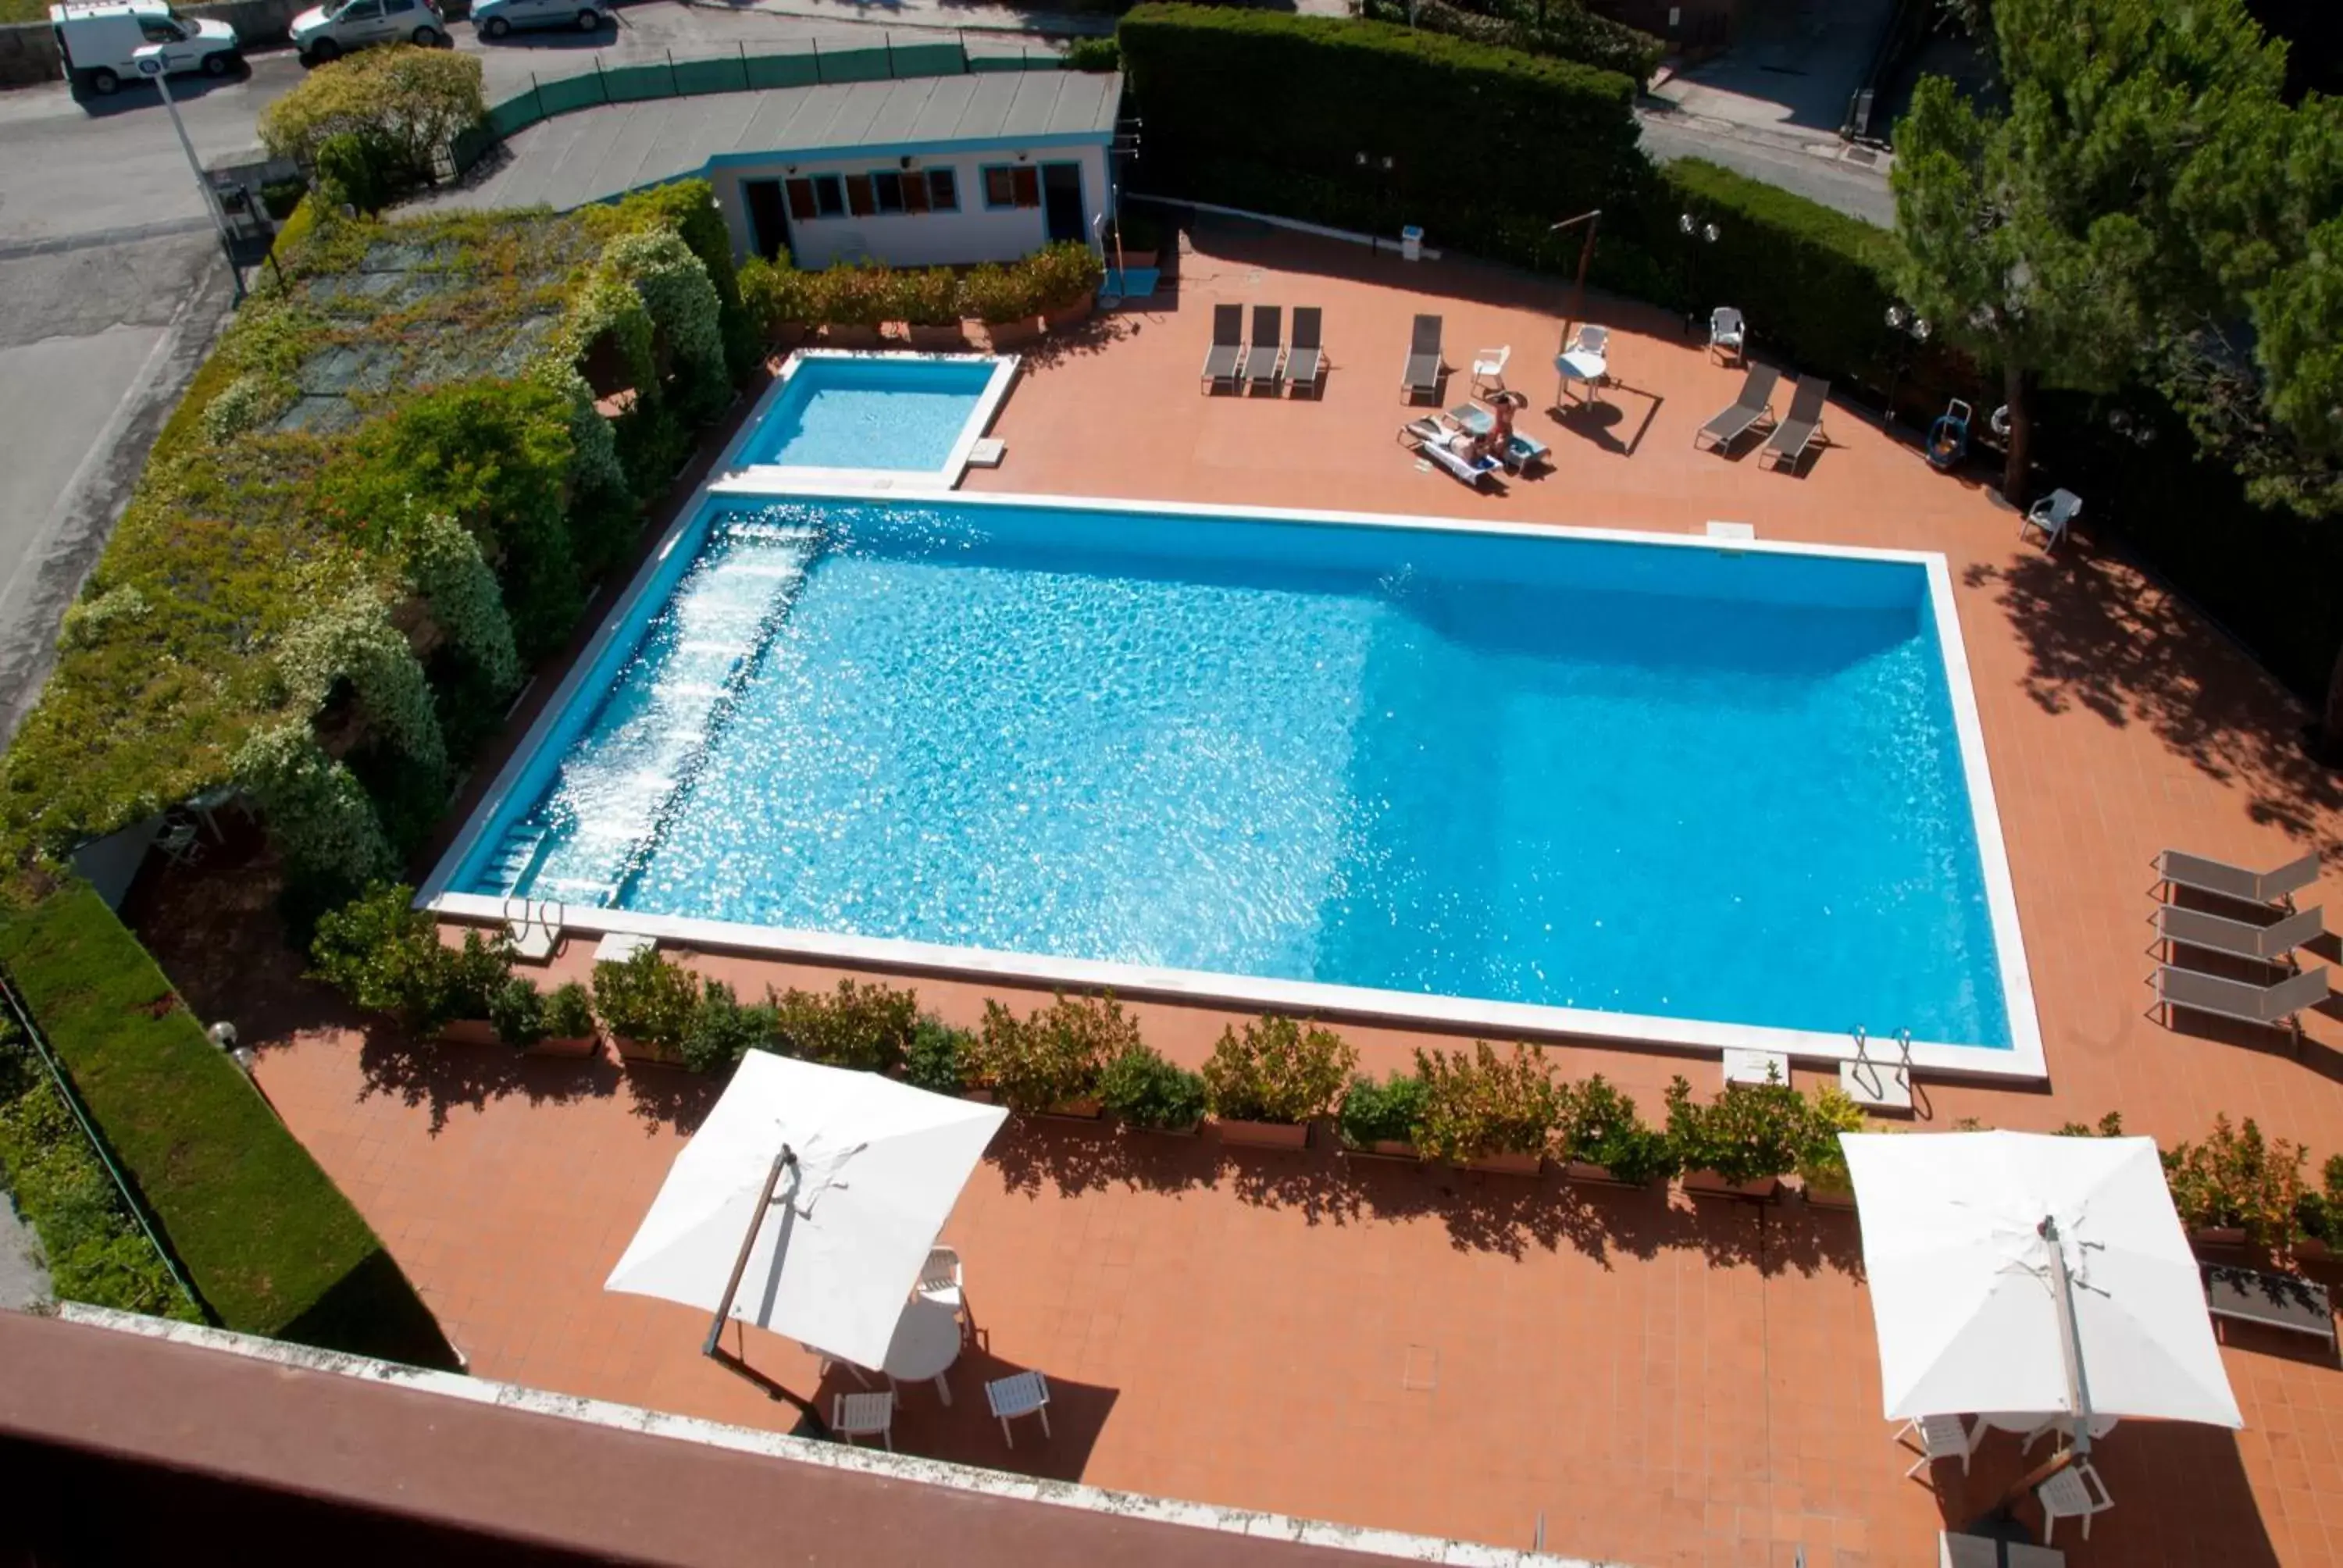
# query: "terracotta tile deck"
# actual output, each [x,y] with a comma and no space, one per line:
[1659,1384]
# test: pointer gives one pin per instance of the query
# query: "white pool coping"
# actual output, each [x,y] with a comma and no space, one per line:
[2022,1060]
[865,482]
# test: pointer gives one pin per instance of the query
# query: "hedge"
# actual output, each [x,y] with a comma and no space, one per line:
[1561,29]
[269,1242]
[1488,146]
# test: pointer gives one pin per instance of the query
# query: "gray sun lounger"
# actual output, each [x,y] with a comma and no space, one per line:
[1306,361]
[2273,1006]
[2274,1301]
[1753,407]
[2229,881]
[1226,355]
[1421,375]
[1798,428]
[2272,943]
[1265,361]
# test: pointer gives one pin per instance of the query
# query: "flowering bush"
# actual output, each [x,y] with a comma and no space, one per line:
[1055,1055]
[2237,1178]
[1385,1113]
[1276,1069]
[1143,1088]
[1598,1126]
[861,1024]
[1482,1103]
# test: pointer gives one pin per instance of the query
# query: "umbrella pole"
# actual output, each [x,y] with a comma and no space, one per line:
[783,1161]
[2079,1388]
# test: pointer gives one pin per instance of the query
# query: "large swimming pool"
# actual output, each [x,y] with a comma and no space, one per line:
[1660,779]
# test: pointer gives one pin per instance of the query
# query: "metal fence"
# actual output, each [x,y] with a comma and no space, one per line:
[739,72]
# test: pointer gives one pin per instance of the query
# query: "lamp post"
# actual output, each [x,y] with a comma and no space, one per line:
[152,65]
[1911,329]
[1697,232]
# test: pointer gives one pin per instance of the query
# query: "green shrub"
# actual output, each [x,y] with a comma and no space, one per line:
[774,292]
[1094,54]
[1748,1132]
[996,294]
[1385,1113]
[863,1025]
[2238,1178]
[92,1243]
[1823,1164]
[360,169]
[860,294]
[1320,91]
[1063,273]
[518,1011]
[1143,1088]
[1276,1069]
[475,974]
[930,296]
[268,1241]
[279,197]
[385,956]
[646,998]
[1561,28]
[937,1059]
[723,1031]
[1054,1056]
[1599,1126]
[411,103]
[568,1012]
[1481,1103]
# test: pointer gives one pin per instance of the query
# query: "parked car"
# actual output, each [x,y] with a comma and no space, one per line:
[325,32]
[101,45]
[494,18]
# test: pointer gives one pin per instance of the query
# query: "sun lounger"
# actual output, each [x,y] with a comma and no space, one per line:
[1265,361]
[1306,361]
[1222,360]
[1419,377]
[1526,452]
[2229,881]
[1798,428]
[1431,436]
[2273,943]
[2274,1006]
[2274,1301]
[1753,407]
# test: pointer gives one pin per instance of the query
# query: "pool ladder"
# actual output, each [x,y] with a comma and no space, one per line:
[1862,1077]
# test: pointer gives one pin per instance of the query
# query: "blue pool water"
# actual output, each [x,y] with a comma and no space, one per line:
[883,412]
[1637,778]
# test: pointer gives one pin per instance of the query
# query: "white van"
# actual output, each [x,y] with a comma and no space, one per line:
[101,45]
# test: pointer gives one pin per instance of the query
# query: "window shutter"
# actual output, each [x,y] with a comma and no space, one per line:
[800,198]
[857,196]
[915,192]
[1028,186]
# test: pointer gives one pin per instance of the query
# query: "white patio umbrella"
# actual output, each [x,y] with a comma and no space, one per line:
[845,1229]
[2016,1272]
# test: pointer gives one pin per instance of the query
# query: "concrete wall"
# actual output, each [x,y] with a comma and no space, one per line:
[28,50]
[973,234]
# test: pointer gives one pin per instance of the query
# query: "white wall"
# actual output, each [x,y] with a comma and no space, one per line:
[973,234]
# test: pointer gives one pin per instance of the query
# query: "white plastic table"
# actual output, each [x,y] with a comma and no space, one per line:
[926,1344]
[1582,365]
[2026,1423]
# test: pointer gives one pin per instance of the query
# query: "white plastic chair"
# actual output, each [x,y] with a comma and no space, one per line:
[853,1415]
[1594,339]
[942,1282]
[1728,332]
[1489,368]
[2051,514]
[2075,1492]
[1024,1393]
[1941,1437]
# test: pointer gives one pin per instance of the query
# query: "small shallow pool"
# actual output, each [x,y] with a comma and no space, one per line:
[895,412]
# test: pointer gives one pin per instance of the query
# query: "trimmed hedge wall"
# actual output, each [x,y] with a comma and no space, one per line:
[1264,110]
[268,1240]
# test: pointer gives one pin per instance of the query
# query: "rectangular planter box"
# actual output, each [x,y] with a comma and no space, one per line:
[1003,334]
[2311,1249]
[1386,1148]
[1086,1111]
[835,336]
[468,1031]
[1188,1132]
[1593,1175]
[1068,317]
[1264,1134]
[2217,1235]
[1829,1197]
[644,1051]
[1508,1164]
[575,1045]
[981,1096]
[935,340]
[1709,1184]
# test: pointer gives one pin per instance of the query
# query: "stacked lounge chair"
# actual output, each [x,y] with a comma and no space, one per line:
[2257,921]
[1305,362]
[1753,407]
[1265,359]
[1420,377]
[1226,358]
[1800,426]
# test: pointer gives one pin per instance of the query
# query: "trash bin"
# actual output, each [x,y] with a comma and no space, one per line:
[1411,243]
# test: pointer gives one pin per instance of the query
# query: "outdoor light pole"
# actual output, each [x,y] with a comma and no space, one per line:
[152,65]
[1593,221]
[1910,329]
[1697,231]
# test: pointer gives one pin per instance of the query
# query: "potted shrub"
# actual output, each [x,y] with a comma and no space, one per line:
[1488,1113]
[385,956]
[568,1023]
[1741,1144]
[1598,1136]
[1144,1091]
[1269,1081]
[1141,239]
[477,973]
[931,310]
[1049,1064]
[517,1012]
[858,299]
[1001,301]
[1377,1120]
[721,1031]
[2236,1187]
[938,1058]
[2318,1215]
[1822,1167]
[779,298]
[1066,278]
[861,1024]
[647,1003]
